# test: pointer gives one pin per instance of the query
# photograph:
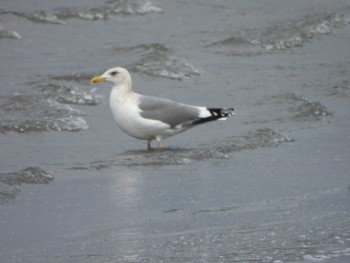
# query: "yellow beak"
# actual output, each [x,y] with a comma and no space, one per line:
[98,79]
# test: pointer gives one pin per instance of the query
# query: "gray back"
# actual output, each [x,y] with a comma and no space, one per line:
[167,111]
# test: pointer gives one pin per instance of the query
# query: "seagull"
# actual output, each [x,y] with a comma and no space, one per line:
[151,118]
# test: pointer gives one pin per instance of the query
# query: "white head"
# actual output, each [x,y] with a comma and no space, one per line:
[117,76]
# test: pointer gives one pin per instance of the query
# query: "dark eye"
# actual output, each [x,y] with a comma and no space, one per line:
[113,73]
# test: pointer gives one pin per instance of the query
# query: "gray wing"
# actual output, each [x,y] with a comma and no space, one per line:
[167,111]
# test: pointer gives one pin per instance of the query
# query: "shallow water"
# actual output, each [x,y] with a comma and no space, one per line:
[270,184]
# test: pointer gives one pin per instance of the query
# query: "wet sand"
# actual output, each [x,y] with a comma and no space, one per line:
[268,185]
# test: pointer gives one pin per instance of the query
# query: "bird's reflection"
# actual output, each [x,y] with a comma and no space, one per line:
[126,189]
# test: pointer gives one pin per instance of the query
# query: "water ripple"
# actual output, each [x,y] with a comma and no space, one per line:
[10,182]
[293,107]
[9,34]
[158,61]
[287,36]
[110,8]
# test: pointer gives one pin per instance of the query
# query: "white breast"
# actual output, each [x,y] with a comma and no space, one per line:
[127,115]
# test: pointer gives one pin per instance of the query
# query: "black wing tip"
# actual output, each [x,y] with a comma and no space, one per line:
[216,114]
[221,112]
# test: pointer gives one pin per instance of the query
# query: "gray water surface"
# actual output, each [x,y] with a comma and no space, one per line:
[271,184]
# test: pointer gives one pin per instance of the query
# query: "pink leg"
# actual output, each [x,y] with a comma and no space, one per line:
[159,146]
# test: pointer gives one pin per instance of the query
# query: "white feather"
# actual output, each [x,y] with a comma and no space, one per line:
[203,112]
